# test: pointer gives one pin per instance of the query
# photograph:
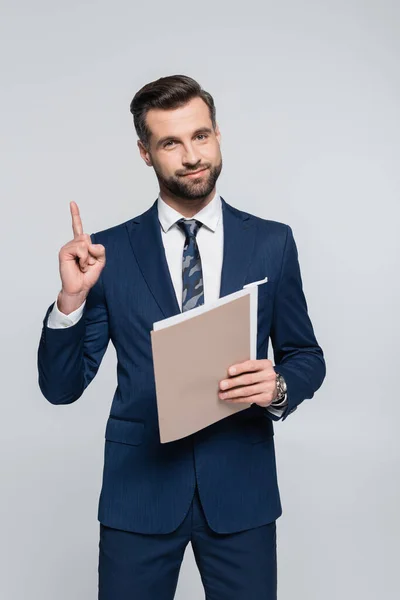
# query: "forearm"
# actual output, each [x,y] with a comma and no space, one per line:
[60,362]
[297,355]
[69,356]
[304,372]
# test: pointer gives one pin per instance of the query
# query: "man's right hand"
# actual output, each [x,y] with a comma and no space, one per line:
[80,263]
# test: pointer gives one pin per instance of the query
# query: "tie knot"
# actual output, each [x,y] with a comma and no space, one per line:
[190,227]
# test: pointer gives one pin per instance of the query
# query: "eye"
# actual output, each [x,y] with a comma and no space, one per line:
[202,135]
[166,145]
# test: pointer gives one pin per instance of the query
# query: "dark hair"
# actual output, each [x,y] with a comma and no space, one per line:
[166,93]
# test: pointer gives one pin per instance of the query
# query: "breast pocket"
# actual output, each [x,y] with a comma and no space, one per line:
[124,432]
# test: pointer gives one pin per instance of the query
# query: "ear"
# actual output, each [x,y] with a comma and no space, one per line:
[145,154]
[217,133]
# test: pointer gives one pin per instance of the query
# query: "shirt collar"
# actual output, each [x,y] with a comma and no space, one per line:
[209,215]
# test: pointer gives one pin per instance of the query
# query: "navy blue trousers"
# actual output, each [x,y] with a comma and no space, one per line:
[234,566]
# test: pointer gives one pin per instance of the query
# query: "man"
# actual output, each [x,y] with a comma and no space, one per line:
[218,487]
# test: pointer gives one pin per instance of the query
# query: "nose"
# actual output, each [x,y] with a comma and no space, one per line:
[189,157]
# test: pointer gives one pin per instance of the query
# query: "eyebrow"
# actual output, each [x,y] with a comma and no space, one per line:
[167,138]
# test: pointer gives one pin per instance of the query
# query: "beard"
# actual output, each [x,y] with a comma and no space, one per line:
[192,189]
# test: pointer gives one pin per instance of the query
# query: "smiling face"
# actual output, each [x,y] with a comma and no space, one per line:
[184,150]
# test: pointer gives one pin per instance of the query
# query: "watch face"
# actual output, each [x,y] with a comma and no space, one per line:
[281,385]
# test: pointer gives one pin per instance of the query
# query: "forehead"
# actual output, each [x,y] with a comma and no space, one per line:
[179,121]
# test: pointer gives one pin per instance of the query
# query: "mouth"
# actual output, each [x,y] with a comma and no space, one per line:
[194,174]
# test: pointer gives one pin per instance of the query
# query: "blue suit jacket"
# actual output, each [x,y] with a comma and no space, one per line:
[148,486]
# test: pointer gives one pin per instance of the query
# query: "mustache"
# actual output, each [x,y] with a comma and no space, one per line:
[198,168]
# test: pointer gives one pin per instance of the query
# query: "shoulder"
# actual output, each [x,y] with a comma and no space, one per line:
[269,227]
[110,233]
[116,233]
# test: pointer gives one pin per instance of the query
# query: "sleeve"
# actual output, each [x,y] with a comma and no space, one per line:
[59,320]
[277,408]
[68,358]
[297,354]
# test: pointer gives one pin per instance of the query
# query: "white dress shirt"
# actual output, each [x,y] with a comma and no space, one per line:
[210,241]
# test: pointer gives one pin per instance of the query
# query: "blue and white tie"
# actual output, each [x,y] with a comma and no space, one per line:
[192,274]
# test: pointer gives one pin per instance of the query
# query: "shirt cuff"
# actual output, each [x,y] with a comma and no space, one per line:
[278,408]
[59,320]
[280,403]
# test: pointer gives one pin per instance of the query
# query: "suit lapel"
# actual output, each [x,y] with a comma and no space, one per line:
[148,247]
[239,239]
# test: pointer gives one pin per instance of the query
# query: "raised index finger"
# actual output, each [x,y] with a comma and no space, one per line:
[77,226]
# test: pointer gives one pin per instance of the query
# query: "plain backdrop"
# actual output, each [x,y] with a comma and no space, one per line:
[307,96]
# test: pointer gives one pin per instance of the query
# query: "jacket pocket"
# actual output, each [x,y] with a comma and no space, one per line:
[261,430]
[241,429]
[124,432]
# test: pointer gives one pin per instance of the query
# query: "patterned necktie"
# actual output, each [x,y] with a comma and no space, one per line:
[192,274]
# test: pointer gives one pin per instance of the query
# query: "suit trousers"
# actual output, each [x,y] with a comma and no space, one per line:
[233,566]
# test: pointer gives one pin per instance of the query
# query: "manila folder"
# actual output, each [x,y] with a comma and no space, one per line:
[191,357]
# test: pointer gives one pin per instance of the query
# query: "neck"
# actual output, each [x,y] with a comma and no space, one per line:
[186,206]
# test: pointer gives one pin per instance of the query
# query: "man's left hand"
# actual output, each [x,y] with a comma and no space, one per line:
[252,381]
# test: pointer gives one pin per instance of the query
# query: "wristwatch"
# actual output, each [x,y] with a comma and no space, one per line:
[281,388]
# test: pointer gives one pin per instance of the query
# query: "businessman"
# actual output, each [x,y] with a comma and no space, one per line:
[216,488]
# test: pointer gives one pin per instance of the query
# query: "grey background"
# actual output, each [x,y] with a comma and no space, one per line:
[307,97]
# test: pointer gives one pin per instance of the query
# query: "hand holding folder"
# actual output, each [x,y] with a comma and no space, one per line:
[191,354]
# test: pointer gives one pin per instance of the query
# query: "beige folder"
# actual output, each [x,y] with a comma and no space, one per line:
[192,352]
